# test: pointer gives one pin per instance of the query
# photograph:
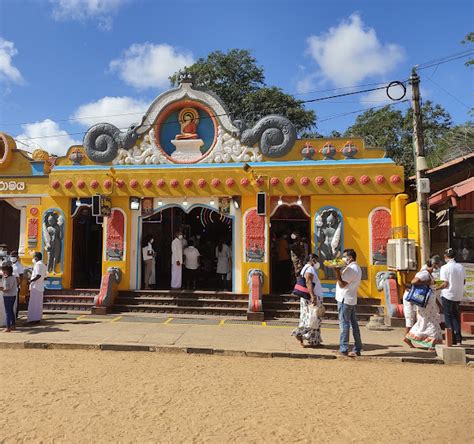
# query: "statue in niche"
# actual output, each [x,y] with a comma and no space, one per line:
[329,227]
[189,120]
[53,236]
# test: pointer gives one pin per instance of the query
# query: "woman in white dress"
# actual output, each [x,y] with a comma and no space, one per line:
[309,327]
[224,262]
[427,332]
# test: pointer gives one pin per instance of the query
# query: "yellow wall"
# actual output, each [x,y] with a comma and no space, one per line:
[356,231]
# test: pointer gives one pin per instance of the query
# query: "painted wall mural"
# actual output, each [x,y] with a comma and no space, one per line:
[53,239]
[254,236]
[380,232]
[115,236]
[328,236]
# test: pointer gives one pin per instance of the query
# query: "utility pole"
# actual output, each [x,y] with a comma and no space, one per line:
[422,184]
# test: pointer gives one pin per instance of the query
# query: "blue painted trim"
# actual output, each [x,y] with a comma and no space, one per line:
[329,290]
[62,242]
[187,210]
[37,167]
[53,283]
[294,164]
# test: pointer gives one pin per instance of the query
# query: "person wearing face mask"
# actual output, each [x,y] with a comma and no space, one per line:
[348,281]
[35,304]
[177,260]
[453,277]
[309,329]
[9,289]
[427,332]
[149,261]
[18,271]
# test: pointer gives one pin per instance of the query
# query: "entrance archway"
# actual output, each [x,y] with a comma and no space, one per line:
[10,225]
[86,249]
[203,225]
[285,220]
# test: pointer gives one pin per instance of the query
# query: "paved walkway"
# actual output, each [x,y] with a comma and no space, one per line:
[201,335]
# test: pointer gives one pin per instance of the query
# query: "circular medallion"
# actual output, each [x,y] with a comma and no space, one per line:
[186,131]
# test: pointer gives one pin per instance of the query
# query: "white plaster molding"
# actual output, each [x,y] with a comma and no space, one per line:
[186,91]
[227,149]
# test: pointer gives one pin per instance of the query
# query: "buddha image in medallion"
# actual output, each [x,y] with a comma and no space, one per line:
[188,120]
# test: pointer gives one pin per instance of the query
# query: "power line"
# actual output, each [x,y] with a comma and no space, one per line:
[301,102]
[448,93]
[361,110]
[445,60]
[218,115]
[425,65]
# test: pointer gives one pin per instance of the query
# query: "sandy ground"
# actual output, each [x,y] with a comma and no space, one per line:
[93,396]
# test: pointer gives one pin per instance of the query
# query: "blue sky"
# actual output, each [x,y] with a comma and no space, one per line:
[69,59]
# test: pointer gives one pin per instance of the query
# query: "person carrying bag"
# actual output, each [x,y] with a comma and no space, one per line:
[309,290]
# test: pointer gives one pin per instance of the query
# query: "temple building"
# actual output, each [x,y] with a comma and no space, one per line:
[187,166]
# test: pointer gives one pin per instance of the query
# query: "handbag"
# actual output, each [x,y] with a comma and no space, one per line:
[300,289]
[313,317]
[321,309]
[419,295]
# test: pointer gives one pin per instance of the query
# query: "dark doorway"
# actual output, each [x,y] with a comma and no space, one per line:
[86,250]
[9,225]
[203,225]
[286,219]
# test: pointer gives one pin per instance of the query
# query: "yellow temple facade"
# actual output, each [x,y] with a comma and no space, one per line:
[188,166]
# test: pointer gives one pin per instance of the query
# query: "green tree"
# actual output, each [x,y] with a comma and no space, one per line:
[237,79]
[393,130]
[469,39]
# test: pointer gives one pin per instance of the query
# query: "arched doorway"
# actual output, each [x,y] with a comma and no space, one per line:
[203,226]
[287,218]
[9,225]
[86,249]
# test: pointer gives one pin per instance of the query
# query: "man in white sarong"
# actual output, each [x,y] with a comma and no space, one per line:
[177,260]
[35,305]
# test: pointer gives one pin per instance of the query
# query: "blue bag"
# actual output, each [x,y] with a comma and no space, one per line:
[419,295]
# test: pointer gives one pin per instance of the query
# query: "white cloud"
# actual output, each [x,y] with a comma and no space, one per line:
[57,142]
[83,10]
[350,52]
[7,70]
[146,65]
[119,111]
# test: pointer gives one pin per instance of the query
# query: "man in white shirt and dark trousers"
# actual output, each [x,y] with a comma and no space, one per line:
[453,276]
[348,282]
[191,264]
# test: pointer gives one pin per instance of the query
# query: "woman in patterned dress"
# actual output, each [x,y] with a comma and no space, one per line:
[310,329]
[427,332]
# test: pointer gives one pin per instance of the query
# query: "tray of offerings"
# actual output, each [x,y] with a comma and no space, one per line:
[334,263]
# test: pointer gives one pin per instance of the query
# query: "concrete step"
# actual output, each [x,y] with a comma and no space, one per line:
[180,309]
[67,306]
[68,298]
[76,300]
[189,302]
[467,327]
[181,295]
[72,292]
[467,316]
